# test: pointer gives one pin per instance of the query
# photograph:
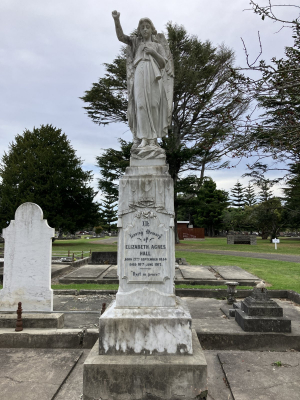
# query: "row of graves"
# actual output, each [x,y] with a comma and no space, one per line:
[147,332]
[147,346]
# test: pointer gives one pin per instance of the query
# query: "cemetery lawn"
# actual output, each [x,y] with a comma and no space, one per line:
[61,247]
[286,245]
[279,274]
[111,286]
[86,286]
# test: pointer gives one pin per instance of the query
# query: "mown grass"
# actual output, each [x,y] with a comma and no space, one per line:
[185,286]
[85,245]
[86,286]
[286,246]
[280,274]
[108,286]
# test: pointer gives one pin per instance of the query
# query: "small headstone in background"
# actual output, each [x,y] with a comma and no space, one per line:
[241,239]
[27,260]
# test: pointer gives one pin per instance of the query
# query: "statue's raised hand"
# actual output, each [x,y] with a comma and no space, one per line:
[115,14]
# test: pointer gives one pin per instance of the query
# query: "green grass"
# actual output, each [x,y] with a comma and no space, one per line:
[63,246]
[108,286]
[286,246]
[281,275]
[185,286]
[87,286]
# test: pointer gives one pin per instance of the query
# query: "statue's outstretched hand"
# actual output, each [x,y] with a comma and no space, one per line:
[115,14]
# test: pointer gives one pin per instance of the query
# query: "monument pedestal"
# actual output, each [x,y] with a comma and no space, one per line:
[146,330]
[258,313]
[146,248]
[145,377]
[146,347]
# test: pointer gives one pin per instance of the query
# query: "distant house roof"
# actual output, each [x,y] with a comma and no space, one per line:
[183,222]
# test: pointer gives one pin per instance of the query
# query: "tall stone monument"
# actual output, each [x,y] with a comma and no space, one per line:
[27,261]
[146,319]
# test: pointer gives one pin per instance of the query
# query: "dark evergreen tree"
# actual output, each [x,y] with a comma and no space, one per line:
[234,219]
[211,203]
[292,198]
[237,195]
[108,214]
[41,167]
[249,195]
[187,201]
[265,192]
[112,164]
[269,217]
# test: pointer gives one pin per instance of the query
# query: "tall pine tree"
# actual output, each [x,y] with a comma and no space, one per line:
[237,196]
[249,195]
[265,192]
[108,214]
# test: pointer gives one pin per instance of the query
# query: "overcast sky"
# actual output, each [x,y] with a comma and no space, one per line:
[51,51]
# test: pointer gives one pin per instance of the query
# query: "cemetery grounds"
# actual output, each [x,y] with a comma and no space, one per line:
[280,275]
[223,365]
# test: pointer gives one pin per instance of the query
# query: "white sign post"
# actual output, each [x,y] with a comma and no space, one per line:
[275,241]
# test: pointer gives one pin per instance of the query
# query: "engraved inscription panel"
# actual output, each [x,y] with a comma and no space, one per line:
[146,249]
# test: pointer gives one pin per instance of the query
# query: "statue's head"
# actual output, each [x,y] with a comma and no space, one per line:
[145,24]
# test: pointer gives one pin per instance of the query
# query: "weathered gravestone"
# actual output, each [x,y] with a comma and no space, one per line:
[259,313]
[146,348]
[27,261]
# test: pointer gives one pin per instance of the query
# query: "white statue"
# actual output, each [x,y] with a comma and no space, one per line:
[150,84]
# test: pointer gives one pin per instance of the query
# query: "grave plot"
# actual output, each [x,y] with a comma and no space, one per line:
[35,374]
[184,273]
[262,375]
[234,273]
[111,273]
[57,269]
[197,272]
[86,272]
[178,274]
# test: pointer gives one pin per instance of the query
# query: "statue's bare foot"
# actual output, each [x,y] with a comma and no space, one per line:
[144,143]
[153,142]
[136,143]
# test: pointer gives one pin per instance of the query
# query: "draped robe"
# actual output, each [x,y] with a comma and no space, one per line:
[147,103]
